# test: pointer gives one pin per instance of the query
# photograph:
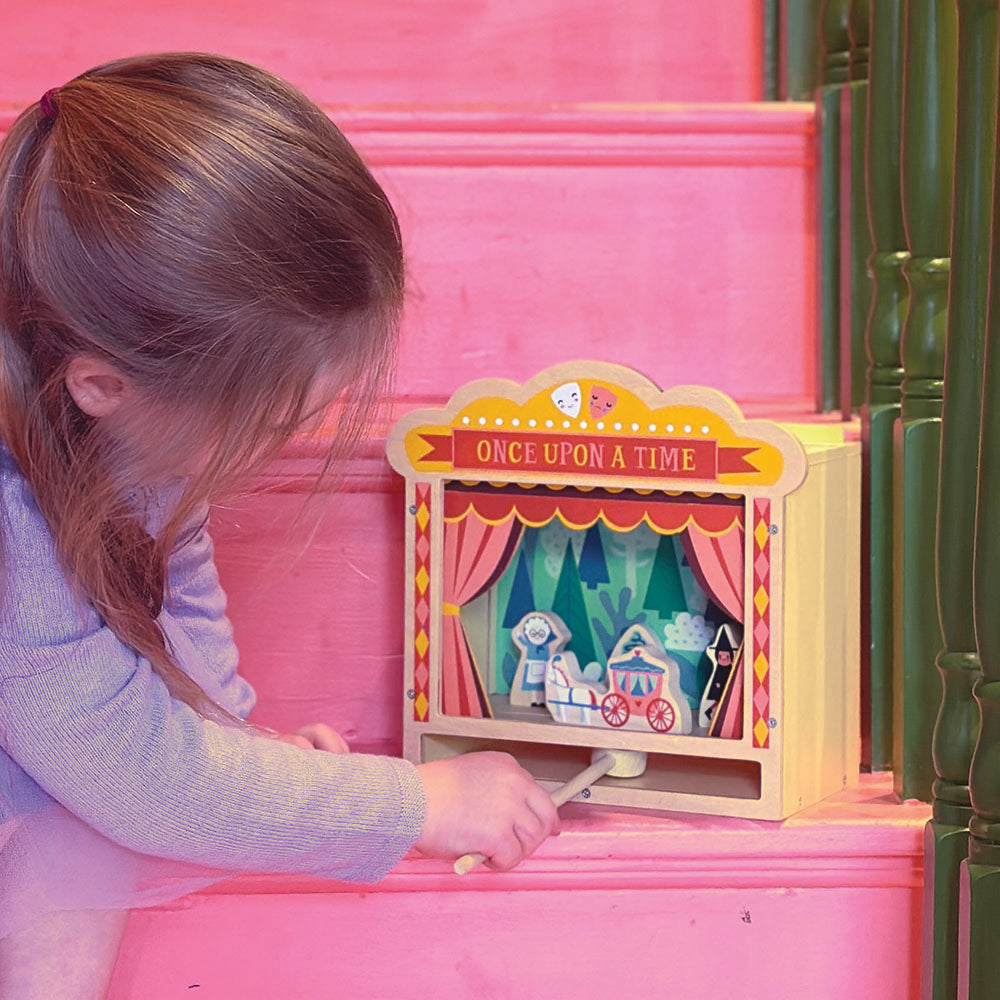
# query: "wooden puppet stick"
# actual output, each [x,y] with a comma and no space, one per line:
[614,763]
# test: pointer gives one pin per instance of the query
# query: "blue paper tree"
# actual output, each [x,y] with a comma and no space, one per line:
[569,604]
[521,599]
[593,564]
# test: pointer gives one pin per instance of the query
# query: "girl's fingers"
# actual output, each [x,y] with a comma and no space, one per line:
[508,853]
[323,737]
[317,736]
[544,811]
[295,740]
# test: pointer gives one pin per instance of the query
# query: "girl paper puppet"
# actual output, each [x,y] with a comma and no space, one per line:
[540,635]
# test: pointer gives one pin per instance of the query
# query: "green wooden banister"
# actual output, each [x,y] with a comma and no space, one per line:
[799,41]
[771,48]
[834,67]
[979,917]
[890,299]
[855,239]
[927,162]
[946,838]
[859,31]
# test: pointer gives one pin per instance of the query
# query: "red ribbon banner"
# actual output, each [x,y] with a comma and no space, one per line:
[578,454]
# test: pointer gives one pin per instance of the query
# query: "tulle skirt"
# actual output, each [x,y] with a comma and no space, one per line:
[50,861]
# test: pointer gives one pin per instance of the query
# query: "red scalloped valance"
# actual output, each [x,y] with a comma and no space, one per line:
[665,514]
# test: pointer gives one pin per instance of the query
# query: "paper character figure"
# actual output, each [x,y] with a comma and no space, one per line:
[539,635]
[573,695]
[644,688]
[722,652]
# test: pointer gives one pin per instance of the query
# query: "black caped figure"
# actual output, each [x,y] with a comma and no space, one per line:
[721,653]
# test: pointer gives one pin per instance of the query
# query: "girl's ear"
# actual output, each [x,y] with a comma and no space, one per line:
[96,387]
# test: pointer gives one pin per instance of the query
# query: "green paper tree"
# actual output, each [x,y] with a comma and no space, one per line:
[665,591]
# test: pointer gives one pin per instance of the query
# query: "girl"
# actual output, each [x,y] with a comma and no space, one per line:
[193,263]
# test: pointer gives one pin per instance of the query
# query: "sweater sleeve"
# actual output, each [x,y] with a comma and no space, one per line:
[196,604]
[90,722]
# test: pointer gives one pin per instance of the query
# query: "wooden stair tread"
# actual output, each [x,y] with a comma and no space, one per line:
[767,909]
[857,837]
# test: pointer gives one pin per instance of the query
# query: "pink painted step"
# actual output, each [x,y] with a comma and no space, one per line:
[676,239]
[309,640]
[397,51]
[823,906]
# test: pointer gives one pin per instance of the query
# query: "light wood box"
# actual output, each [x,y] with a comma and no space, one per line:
[793,735]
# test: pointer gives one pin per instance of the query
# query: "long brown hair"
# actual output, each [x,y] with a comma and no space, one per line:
[206,230]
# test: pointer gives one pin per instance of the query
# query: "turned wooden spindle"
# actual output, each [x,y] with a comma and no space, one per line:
[834,65]
[855,238]
[927,163]
[890,298]
[979,917]
[946,838]
[799,42]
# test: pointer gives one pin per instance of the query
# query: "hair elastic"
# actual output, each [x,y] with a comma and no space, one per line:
[48,107]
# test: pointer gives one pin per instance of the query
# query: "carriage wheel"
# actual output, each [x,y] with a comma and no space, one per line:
[660,715]
[614,708]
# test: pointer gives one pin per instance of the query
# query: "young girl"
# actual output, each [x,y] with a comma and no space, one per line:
[194,262]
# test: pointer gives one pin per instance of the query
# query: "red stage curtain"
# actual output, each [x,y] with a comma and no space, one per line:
[717,563]
[475,556]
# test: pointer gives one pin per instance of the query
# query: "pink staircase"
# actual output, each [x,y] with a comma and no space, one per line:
[574,179]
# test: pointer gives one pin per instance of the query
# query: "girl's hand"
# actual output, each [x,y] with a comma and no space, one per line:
[485,803]
[316,736]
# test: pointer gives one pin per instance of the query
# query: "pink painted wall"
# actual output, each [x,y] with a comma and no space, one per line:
[406,52]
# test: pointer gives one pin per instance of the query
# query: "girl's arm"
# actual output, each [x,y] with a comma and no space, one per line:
[196,603]
[98,731]
[87,719]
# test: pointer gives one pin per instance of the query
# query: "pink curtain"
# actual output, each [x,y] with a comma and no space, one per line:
[717,564]
[475,557]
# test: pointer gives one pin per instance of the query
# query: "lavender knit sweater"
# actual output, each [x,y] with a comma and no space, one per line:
[84,722]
